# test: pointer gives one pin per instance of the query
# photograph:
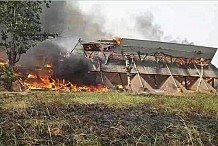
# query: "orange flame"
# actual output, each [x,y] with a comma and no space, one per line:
[41,79]
[43,82]
[183,61]
[98,88]
[48,65]
[3,63]
[118,40]
[31,76]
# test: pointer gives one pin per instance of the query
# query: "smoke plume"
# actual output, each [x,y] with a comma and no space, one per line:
[145,26]
[71,24]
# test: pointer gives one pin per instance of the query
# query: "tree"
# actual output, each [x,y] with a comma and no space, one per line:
[21,29]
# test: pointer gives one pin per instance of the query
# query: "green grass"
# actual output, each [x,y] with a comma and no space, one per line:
[109,118]
[197,103]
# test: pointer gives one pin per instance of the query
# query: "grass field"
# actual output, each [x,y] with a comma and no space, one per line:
[86,119]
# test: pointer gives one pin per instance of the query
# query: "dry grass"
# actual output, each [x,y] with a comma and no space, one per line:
[52,118]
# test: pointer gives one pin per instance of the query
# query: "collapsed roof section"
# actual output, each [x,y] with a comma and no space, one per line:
[146,47]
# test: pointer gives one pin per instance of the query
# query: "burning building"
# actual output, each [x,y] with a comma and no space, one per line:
[152,66]
[57,74]
[54,69]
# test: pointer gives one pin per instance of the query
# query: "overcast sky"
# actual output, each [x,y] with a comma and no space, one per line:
[196,21]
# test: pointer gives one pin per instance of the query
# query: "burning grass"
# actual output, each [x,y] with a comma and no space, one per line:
[108,118]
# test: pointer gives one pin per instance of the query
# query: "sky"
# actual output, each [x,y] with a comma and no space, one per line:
[195,21]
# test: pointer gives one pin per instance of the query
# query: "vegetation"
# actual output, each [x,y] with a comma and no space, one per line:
[20,29]
[52,118]
[7,76]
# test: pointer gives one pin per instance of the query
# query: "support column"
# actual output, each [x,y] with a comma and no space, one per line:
[174,81]
[186,86]
[213,82]
[128,68]
[122,81]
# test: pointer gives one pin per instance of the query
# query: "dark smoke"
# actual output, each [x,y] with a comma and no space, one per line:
[45,53]
[71,24]
[65,66]
[74,69]
[145,26]
[53,18]
[67,19]
[84,26]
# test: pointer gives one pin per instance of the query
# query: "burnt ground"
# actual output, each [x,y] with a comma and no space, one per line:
[49,121]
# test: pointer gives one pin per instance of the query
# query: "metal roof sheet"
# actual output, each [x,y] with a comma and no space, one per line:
[171,49]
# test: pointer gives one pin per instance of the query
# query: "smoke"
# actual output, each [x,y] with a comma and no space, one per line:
[183,41]
[69,67]
[71,24]
[66,19]
[145,26]
[44,53]
[74,69]
[53,18]
[84,26]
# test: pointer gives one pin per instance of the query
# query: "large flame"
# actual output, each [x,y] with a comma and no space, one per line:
[42,80]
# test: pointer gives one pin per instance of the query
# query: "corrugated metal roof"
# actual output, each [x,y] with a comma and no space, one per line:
[131,46]
[171,49]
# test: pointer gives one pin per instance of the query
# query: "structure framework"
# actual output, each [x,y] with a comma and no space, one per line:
[143,65]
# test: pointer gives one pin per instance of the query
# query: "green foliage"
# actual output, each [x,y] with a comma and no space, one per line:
[21,30]
[21,27]
[7,75]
